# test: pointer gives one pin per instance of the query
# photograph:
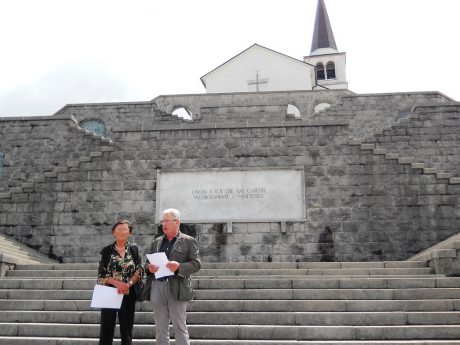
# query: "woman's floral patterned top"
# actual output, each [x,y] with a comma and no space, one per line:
[113,265]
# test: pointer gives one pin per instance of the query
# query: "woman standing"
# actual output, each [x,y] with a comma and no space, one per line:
[120,266]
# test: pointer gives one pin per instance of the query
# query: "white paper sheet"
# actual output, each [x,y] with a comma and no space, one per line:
[106,297]
[160,260]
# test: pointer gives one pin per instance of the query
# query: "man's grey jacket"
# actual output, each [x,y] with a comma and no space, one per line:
[185,251]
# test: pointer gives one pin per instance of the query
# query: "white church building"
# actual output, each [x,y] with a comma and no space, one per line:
[258,68]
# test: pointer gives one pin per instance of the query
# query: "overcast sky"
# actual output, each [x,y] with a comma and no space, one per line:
[56,52]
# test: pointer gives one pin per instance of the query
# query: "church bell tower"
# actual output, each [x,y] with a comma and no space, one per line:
[330,64]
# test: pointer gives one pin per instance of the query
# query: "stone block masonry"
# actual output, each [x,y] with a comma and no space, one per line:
[63,188]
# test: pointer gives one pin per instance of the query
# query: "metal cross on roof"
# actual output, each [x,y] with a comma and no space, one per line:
[257,82]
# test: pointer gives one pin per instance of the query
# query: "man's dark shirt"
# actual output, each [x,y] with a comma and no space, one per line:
[166,246]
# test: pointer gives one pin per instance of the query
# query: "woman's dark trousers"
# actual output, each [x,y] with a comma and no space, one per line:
[125,318]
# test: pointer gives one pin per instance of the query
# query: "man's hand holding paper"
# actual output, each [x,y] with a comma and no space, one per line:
[161,262]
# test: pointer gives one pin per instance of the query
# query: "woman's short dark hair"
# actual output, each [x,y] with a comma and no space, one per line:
[123,221]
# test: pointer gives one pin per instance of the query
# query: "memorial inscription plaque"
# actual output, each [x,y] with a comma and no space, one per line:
[220,195]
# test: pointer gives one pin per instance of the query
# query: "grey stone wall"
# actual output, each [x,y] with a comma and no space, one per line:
[30,147]
[234,107]
[431,135]
[361,205]
[370,113]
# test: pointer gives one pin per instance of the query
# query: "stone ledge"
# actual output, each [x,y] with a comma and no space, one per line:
[230,125]
[443,253]
[107,140]
[6,195]
[417,165]
[443,175]
[15,190]
[449,266]
[367,146]
[356,141]
[392,155]
[443,257]
[31,118]
[50,174]
[433,108]
[431,171]
[8,262]
[379,152]
[406,160]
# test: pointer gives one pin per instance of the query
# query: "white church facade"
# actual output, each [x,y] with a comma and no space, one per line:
[259,69]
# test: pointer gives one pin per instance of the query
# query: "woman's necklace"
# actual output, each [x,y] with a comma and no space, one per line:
[120,249]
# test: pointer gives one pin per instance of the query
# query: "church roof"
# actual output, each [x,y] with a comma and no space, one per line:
[323,37]
[254,46]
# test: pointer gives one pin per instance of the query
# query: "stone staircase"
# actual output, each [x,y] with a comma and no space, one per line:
[444,257]
[14,253]
[417,149]
[250,303]
[98,145]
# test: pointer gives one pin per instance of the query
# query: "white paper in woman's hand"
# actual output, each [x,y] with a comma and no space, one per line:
[106,297]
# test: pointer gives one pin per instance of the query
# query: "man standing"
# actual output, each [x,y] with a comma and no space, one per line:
[170,295]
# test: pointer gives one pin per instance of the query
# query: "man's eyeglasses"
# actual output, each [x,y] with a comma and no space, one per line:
[168,221]
[121,229]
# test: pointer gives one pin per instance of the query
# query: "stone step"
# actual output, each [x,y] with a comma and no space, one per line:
[329,282]
[267,277]
[250,303]
[310,265]
[12,259]
[5,248]
[315,271]
[242,272]
[23,257]
[95,341]
[253,305]
[251,265]
[247,332]
[8,245]
[432,252]
[261,294]
[8,242]
[252,318]
[324,294]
